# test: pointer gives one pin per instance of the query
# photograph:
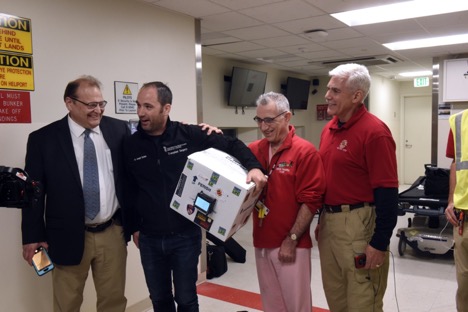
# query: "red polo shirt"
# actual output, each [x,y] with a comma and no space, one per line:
[358,157]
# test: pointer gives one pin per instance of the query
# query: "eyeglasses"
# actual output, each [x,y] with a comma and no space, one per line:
[267,120]
[91,105]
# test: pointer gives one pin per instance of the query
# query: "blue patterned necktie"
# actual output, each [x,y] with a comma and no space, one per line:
[90,178]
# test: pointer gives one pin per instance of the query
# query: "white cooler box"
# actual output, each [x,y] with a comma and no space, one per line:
[213,194]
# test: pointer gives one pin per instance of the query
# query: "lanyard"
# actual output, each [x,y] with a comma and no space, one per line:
[262,209]
[270,173]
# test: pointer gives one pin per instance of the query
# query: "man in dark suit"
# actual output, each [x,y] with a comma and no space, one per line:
[77,241]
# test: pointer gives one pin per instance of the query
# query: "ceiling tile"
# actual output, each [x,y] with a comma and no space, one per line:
[298,26]
[282,41]
[244,4]
[282,11]
[303,48]
[256,32]
[198,8]
[237,47]
[350,43]
[228,21]
[261,53]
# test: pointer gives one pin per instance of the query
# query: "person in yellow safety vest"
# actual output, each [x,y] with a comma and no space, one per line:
[457,206]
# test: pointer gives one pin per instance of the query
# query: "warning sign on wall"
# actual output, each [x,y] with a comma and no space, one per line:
[15,107]
[16,72]
[125,97]
[15,34]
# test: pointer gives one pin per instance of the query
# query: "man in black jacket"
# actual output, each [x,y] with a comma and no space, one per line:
[76,241]
[155,157]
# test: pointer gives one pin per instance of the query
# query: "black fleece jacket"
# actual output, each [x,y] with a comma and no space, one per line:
[154,165]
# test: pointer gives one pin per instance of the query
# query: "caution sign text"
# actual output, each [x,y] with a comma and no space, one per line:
[15,107]
[15,34]
[16,72]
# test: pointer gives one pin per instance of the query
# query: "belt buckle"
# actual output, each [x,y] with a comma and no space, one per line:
[99,227]
[345,208]
[95,225]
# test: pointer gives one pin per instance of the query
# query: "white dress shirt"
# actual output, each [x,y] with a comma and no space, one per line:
[108,198]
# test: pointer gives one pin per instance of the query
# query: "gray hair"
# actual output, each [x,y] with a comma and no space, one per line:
[281,102]
[357,76]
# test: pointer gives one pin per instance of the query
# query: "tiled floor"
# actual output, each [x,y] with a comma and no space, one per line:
[417,283]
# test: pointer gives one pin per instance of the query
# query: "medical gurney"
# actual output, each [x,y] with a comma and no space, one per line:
[427,231]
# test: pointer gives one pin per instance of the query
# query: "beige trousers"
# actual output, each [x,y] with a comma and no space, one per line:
[106,254]
[343,236]
[461,264]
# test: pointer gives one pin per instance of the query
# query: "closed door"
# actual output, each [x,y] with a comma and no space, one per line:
[417,136]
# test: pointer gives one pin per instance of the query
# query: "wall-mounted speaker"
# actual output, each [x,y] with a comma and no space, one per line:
[315,82]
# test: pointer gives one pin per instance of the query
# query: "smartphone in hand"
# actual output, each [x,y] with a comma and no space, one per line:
[41,261]
[360,261]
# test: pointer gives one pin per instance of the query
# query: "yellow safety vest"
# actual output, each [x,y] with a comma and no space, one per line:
[459,126]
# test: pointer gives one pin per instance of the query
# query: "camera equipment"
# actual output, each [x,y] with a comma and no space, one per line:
[17,190]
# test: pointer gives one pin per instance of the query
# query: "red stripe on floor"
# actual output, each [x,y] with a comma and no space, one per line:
[236,296]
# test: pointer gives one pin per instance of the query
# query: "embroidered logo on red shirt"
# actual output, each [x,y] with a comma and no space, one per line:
[285,164]
[343,145]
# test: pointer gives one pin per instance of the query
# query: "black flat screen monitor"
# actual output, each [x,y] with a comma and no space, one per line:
[297,92]
[246,86]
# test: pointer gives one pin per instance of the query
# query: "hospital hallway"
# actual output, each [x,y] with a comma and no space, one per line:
[416,283]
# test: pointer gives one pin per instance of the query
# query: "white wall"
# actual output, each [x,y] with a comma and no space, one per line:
[114,40]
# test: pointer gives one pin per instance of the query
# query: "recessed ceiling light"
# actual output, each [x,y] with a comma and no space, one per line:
[416,73]
[428,42]
[400,11]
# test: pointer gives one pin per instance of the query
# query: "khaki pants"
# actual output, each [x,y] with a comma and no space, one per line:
[461,264]
[343,236]
[106,254]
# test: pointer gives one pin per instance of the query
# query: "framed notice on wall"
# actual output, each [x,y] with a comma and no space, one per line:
[125,97]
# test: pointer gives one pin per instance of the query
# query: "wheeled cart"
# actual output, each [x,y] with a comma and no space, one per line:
[428,231]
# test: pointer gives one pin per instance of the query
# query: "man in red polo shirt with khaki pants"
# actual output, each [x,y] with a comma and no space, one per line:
[361,199]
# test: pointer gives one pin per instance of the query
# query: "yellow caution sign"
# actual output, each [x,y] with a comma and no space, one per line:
[16,72]
[15,34]
[127,90]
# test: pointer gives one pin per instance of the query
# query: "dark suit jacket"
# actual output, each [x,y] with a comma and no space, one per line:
[59,216]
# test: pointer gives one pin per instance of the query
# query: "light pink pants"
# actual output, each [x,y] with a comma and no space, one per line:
[284,287]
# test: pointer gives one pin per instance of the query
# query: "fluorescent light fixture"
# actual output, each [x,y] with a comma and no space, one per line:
[400,11]
[416,73]
[428,42]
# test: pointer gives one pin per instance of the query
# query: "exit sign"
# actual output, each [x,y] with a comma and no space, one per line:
[421,82]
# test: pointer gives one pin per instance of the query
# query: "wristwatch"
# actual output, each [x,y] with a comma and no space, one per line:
[293,236]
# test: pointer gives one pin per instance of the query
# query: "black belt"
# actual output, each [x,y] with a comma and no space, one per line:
[344,208]
[96,228]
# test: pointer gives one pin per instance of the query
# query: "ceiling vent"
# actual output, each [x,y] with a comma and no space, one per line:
[363,60]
